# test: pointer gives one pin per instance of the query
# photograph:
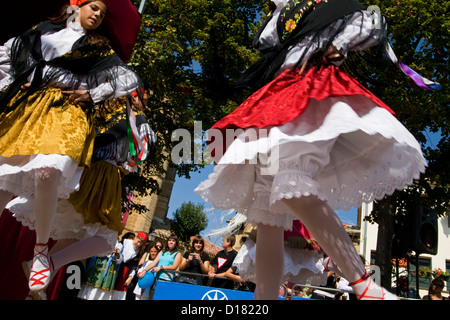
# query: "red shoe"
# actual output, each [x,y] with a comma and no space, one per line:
[41,268]
[366,289]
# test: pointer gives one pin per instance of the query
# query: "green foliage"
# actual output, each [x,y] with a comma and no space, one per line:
[419,32]
[189,220]
[188,54]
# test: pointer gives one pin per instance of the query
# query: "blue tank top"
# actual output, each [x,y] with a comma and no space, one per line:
[166,259]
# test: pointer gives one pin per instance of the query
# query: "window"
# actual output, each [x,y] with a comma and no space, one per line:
[447,268]
[424,282]
[372,257]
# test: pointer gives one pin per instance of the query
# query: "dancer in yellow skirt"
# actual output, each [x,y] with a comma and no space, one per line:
[50,77]
[91,218]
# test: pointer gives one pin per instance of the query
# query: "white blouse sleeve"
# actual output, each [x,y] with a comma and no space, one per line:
[125,83]
[364,30]
[61,42]
[5,64]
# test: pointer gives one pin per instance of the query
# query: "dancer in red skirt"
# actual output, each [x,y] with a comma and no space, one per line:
[311,140]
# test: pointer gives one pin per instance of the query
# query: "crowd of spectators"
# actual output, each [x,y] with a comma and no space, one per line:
[167,261]
[192,264]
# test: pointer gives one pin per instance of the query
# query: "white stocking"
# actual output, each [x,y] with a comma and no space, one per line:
[61,244]
[46,198]
[5,197]
[327,229]
[80,250]
[269,262]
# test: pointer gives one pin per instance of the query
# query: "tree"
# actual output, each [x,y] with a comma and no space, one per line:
[419,32]
[189,220]
[188,54]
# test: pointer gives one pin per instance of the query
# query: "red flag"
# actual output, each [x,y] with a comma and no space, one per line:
[123,22]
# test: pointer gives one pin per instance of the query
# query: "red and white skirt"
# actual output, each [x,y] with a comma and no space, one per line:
[320,133]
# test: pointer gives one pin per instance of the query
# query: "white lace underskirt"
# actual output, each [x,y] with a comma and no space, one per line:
[67,224]
[345,150]
[300,265]
[88,292]
[17,173]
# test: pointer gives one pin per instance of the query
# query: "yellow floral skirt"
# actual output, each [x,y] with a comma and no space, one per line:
[47,123]
[100,194]
[44,131]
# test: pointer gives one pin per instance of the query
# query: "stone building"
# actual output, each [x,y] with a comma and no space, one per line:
[154,221]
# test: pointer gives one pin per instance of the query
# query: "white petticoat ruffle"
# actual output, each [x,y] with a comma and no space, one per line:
[300,265]
[345,150]
[17,173]
[88,292]
[67,224]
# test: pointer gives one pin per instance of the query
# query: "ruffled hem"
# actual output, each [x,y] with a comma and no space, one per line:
[68,224]
[344,150]
[17,173]
[353,184]
[88,292]
[300,265]
[259,213]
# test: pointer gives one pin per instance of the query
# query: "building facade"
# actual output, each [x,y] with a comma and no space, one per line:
[368,244]
[154,221]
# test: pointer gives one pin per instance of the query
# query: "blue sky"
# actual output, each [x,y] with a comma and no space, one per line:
[183,191]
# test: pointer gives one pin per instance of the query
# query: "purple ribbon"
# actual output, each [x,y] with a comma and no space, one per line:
[422,82]
[418,79]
